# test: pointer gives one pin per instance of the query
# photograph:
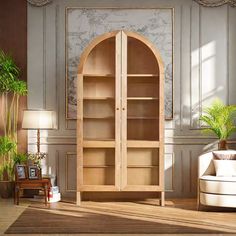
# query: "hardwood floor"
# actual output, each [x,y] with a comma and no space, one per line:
[177,213]
[10,212]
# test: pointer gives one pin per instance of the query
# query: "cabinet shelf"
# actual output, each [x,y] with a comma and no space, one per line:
[143,143]
[142,118]
[98,166]
[142,98]
[100,75]
[98,98]
[105,117]
[100,139]
[142,166]
[99,143]
[113,76]
[142,75]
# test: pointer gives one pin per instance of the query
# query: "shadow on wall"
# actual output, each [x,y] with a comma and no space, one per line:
[196,92]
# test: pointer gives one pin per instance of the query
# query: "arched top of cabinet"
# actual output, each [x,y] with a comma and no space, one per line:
[98,40]
[150,45]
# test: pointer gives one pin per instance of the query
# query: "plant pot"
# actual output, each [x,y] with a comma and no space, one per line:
[222,145]
[6,189]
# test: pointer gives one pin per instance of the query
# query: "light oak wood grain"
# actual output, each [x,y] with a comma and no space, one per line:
[121,79]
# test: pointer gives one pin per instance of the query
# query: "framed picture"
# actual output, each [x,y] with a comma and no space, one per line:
[21,172]
[34,172]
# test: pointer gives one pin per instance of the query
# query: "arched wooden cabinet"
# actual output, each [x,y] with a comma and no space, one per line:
[120,116]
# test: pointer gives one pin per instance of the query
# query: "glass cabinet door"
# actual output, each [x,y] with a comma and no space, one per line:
[100,120]
[140,117]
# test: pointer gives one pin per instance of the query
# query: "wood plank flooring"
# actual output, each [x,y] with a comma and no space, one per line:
[9,213]
[179,216]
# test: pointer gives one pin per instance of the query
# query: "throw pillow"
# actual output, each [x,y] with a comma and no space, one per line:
[224,156]
[225,168]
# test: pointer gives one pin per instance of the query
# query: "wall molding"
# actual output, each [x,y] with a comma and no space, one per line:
[166,136]
[172,154]
[190,170]
[68,155]
[181,70]
[216,3]
[44,59]
[169,140]
[182,143]
[39,3]
[181,133]
[228,54]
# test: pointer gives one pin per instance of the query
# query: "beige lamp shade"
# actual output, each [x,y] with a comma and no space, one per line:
[39,119]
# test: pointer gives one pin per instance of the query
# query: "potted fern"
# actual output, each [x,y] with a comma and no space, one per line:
[220,121]
[11,89]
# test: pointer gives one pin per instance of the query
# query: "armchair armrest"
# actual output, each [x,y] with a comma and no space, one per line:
[206,165]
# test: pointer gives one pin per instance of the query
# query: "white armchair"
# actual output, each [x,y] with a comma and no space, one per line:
[215,190]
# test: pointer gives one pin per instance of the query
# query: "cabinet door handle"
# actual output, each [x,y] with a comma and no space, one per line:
[117,109]
[123,108]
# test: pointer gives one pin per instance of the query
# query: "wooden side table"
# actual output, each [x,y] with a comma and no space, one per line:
[41,184]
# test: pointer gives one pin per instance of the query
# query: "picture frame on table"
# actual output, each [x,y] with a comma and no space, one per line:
[21,172]
[34,172]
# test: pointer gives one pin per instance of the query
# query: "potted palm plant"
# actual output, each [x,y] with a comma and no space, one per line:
[11,89]
[7,148]
[219,119]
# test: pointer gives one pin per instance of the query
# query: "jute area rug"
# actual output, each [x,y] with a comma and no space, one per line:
[70,219]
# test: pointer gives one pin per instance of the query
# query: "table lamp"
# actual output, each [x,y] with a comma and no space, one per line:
[39,120]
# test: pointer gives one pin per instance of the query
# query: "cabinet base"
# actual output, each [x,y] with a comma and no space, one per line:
[119,196]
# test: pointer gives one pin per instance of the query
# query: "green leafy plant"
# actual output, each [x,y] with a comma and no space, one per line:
[9,72]
[11,88]
[20,158]
[7,149]
[220,119]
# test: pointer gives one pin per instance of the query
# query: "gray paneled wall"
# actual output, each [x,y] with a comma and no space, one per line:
[204,68]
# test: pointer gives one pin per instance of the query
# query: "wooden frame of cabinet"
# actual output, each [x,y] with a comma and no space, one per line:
[120,116]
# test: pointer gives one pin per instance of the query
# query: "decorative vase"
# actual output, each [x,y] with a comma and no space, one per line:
[222,145]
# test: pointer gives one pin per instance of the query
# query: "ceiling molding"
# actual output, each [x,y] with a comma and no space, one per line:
[216,3]
[206,3]
[39,3]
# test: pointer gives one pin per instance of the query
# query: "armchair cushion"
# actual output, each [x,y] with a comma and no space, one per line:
[218,185]
[218,178]
[225,167]
[224,155]
[217,200]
